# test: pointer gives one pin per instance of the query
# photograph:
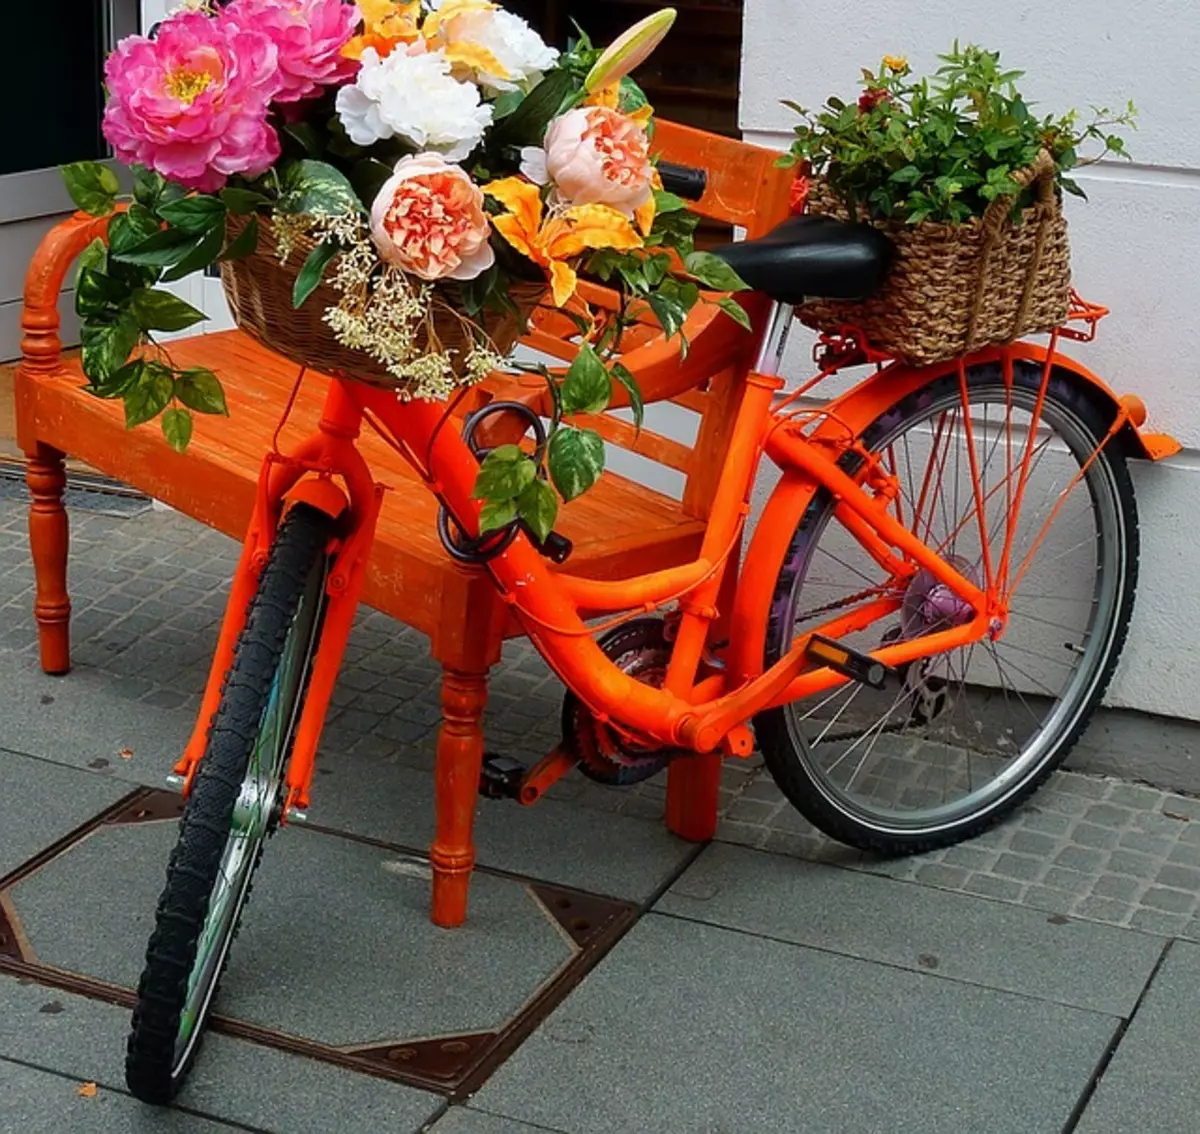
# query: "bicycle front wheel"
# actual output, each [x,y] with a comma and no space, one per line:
[235,802]
[961,738]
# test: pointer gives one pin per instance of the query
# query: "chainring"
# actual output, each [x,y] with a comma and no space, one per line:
[640,648]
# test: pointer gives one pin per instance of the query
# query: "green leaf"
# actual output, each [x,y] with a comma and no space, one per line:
[1072,187]
[93,187]
[497,514]
[162,249]
[177,428]
[97,294]
[622,374]
[200,389]
[665,202]
[242,202]
[115,385]
[107,346]
[507,103]
[735,311]
[307,136]
[157,310]
[576,460]
[316,187]
[150,395]
[206,251]
[368,177]
[714,272]
[526,126]
[310,275]
[194,215]
[669,312]
[586,388]
[128,230]
[538,507]
[148,186]
[245,243]
[94,258]
[503,475]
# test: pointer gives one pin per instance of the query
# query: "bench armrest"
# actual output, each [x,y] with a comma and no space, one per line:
[41,347]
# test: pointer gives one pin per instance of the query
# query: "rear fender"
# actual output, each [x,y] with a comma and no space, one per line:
[845,420]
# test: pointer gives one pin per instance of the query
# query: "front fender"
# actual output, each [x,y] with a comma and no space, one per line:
[845,420]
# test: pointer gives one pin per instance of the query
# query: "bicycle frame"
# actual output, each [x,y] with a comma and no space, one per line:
[696,710]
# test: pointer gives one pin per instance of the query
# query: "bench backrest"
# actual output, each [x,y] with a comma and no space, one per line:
[745,188]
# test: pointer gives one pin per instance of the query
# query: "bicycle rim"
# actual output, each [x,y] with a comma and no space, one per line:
[961,734]
[255,814]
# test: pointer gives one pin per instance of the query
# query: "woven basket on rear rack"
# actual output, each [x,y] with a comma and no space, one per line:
[956,288]
[259,290]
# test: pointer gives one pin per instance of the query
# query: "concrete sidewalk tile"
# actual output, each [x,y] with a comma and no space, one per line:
[91,720]
[1151,1083]
[984,942]
[688,1027]
[561,842]
[40,802]
[467,1120]
[342,925]
[38,1102]
[232,1080]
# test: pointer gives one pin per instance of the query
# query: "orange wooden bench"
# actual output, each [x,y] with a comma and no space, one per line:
[618,528]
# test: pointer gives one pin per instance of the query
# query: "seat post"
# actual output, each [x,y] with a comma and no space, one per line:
[770,352]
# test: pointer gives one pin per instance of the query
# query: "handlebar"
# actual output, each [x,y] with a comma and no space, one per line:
[683,180]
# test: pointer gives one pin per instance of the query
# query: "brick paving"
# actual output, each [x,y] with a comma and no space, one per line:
[148,593]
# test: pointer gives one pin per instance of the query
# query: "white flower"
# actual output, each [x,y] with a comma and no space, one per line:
[415,98]
[506,38]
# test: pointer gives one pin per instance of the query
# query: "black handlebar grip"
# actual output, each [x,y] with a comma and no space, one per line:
[683,180]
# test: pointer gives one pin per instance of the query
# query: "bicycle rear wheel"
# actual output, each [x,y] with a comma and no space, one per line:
[235,803]
[963,737]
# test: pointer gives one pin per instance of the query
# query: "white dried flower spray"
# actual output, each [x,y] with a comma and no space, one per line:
[387,314]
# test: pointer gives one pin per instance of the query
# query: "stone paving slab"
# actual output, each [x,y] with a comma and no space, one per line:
[40,802]
[987,943]
[1151,1083]
[468,1120]
[234,1081]
[689,1027]
[336,945]
[38,1102]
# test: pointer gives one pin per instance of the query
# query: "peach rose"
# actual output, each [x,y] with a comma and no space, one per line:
[595,156]
[428,219]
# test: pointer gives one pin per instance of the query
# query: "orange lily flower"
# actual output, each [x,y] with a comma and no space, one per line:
[463,55]
[386,23]
[551,241]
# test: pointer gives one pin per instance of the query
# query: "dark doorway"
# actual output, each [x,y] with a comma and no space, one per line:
[693,76]
[51,83]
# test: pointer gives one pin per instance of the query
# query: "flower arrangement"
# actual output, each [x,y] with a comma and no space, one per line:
[941,149]
[425,159]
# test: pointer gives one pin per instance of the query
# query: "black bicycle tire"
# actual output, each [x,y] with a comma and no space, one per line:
[150,1071]
[771,729]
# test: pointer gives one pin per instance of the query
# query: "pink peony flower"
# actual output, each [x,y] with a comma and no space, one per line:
[308,35]
[595,156]
[192,103]
[428,219]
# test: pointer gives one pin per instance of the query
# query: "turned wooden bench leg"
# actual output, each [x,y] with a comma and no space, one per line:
[456,792]
[45,473]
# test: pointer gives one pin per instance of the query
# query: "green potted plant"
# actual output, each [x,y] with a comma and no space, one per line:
[967,181]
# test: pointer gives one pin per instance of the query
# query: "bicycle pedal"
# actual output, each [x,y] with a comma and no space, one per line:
[849,662]
[501,777]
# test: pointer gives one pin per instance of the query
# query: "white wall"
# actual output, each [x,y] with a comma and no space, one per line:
[1136,243]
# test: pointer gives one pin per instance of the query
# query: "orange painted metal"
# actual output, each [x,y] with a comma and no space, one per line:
[544,775]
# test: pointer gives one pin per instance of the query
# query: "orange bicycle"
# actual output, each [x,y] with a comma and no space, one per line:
[931,606]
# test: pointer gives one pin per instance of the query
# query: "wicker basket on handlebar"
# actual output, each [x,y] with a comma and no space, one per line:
[259,291]
[953,289]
